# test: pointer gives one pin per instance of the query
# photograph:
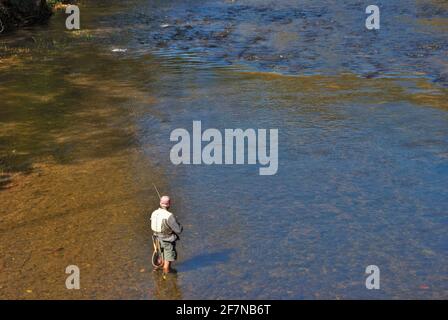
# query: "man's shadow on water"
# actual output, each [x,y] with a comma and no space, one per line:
[205,260]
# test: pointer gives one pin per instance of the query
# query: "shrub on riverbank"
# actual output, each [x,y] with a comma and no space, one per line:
[19,13]
[58,4]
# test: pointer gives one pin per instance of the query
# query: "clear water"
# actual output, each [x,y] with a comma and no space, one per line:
[363,140]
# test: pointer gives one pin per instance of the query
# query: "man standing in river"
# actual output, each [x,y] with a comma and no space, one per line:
[167,229]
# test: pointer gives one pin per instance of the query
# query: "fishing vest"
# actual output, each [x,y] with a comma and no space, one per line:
[159,221]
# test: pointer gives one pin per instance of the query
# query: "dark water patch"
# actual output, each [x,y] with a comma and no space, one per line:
[329,37]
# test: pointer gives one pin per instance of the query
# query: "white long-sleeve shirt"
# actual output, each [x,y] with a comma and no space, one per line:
[165,225]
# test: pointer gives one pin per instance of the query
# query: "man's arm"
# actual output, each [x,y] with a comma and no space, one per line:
[174,224]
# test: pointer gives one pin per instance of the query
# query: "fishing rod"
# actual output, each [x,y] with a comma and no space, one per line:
[158,193]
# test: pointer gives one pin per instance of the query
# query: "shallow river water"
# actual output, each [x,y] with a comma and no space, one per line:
[362,118]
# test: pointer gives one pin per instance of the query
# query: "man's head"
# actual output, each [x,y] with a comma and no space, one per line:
[165,202]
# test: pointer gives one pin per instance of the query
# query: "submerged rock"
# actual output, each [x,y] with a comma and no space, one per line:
[18,13]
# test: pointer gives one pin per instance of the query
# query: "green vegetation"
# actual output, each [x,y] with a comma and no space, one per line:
[53,3]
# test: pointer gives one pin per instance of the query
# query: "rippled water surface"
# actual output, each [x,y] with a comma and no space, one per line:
[363,149]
